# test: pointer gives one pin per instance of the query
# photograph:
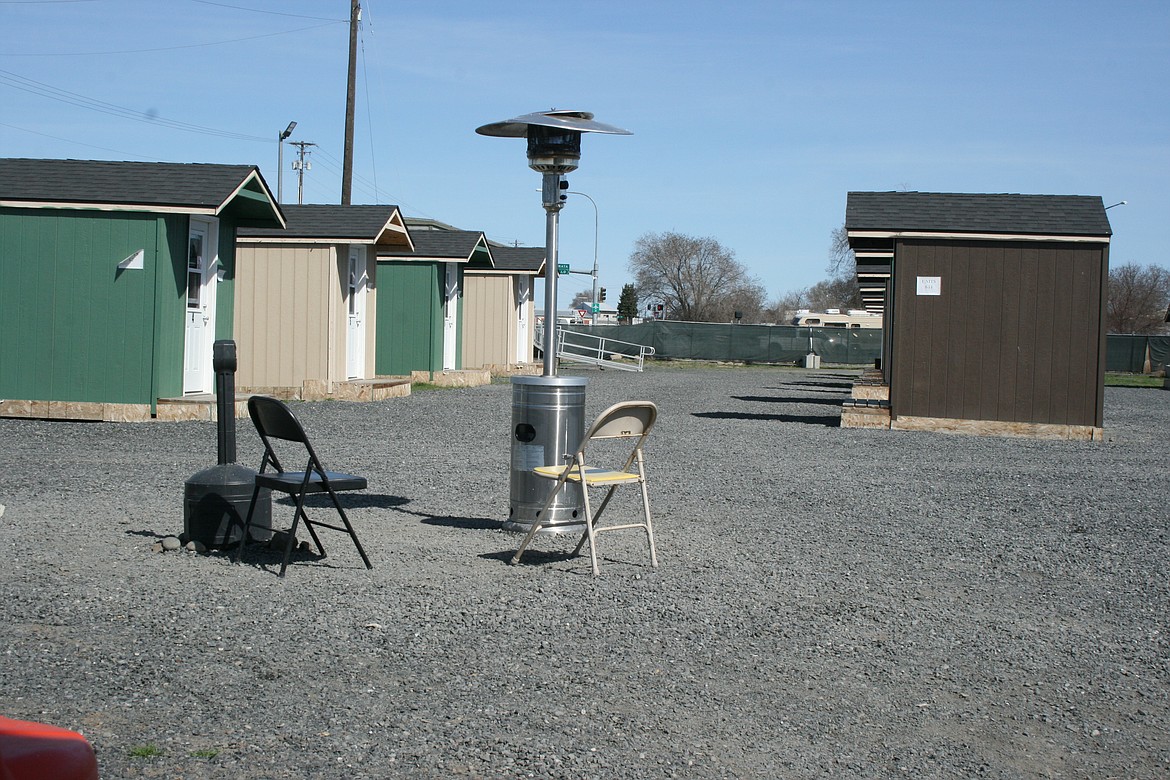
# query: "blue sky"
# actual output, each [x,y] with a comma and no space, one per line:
[751,120]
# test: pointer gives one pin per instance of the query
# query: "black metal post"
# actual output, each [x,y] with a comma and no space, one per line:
[223,360]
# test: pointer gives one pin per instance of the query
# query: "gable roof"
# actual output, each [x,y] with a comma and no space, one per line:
[460,246]
[335,224]
[964,213]
[193,188]
[522,259]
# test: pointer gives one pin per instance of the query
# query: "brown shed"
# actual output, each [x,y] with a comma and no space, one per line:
[994,308]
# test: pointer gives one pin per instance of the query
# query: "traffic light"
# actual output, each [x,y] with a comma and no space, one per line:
[601,295]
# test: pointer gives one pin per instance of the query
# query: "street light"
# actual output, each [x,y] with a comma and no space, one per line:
[548,412]
[1118,203]
[280,139]
[596,308]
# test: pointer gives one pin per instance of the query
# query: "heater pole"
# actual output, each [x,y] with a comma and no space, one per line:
[551,195]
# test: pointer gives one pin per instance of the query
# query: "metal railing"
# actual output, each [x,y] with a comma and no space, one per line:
[600,351]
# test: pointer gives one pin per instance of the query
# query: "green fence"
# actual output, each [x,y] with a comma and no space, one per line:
[789,344]
[1136,354]
[746,343]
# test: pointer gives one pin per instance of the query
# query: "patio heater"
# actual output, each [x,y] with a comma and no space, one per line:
[548,412]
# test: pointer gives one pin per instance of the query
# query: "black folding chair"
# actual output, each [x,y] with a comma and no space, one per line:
[274,420]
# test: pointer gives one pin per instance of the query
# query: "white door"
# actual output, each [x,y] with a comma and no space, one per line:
[450,315]
[355,353]
[200,326]
[523,337]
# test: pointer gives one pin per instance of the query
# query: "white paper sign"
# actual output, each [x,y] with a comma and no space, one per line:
[930,285]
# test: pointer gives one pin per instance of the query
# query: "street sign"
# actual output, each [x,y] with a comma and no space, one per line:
[562,268]
[596,308]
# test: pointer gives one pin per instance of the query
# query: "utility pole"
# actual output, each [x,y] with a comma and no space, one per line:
[355,16]
[300,165]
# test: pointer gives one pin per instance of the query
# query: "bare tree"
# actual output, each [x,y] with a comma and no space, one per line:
[582,300]
[1138,299]
[781,310]
[842,262]
[696,279]
[838,291]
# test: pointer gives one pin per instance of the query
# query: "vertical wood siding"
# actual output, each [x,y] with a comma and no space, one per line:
[285,317]
[1014,336]
[74,327]
[409,318]
[489,326]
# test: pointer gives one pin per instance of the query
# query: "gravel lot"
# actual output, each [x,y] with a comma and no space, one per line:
[830,603]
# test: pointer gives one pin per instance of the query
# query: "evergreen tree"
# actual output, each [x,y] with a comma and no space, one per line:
[627,308]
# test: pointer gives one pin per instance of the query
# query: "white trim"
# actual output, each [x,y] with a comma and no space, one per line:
[499,272]
[304,240]
[976,236]
[419,259]
[151,207]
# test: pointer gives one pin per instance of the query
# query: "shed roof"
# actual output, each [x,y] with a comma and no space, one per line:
[461,246]
[523,259]
[336,224]
[195,188]
[999,214]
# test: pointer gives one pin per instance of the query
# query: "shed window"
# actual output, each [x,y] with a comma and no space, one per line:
[194,271]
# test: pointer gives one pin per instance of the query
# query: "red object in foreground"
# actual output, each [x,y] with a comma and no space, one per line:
[36,751]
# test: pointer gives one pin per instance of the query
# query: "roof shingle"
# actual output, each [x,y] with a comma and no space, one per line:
[940,212]
[181,185]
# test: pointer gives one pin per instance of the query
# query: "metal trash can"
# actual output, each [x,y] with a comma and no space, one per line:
[548,421]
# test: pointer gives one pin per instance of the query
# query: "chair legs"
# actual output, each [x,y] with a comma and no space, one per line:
[591,527]
[537,524]
[247,523]
[299,514]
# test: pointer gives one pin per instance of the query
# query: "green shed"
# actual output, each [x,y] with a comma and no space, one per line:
[420,300]
[115,279]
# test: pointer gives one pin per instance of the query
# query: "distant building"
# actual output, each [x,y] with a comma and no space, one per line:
[835,318]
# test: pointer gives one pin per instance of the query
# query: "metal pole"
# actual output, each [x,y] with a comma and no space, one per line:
[551,195]
[280,168]
[595,221]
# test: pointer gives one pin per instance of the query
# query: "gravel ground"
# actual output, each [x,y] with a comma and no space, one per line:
[830,603]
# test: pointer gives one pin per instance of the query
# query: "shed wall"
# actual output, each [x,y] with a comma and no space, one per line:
[409,318]
[489,327]
[287,307]
[1015,335]
[75,327]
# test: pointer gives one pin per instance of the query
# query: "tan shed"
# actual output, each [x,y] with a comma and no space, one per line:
[305,306]
[498,308]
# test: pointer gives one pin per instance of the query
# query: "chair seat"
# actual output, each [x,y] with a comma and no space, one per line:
[621,425]
[593,476]
[290,481]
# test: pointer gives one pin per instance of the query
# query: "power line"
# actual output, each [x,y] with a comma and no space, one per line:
[166,48]
[79,143]
[266,11]
[25,84]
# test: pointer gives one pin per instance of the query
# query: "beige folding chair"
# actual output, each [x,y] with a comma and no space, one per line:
[626,420]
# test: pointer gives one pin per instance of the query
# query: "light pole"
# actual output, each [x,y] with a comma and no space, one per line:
[596,307]
[280,139]
[1118,203]
[548,412]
